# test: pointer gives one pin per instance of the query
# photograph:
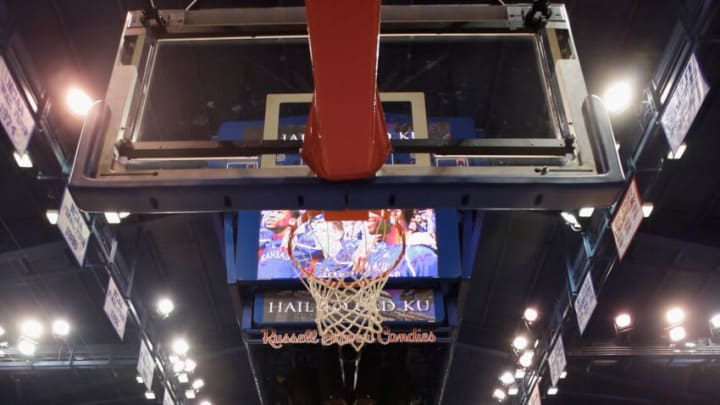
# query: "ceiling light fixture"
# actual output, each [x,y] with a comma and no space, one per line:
[31,328]
[23,160]
[526,358]
[60,328]
[52,216]
[26,347]
[677,333]
[586,212]
[530,314]
[507,378]
[647,209]
[499,394]
[78,101]
[552,391]
[520,343]
[675,316]
[165,307]
[678,154]
[618,96]
[180,346]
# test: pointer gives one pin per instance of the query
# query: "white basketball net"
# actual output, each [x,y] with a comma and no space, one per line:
[346,284]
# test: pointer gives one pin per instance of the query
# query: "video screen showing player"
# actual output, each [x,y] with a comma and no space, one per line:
[339,248]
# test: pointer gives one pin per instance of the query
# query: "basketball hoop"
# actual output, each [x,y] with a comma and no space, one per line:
[345,263]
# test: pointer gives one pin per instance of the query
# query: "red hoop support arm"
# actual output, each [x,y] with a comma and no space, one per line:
[346,136]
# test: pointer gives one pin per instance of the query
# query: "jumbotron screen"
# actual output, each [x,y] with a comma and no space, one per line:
[327,247]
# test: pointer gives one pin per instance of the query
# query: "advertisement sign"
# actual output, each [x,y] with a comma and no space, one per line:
[627,219]
[73,227]
[395,305]
[585,303]
[684,104]
[116,308]
[15,115]
[557,361]
[276,339]
[329,247]
[146,365]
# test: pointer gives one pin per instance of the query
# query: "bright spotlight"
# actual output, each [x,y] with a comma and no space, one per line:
[149,395]
[674,156]
[586,212]
[164,307]
[512,391]
[31,328]
[190,365]
[519,374]
[526,358]
[173,358]
[530,314]
[563,375]
[499,394]
[180,346]
[113,217]
[78,101]
[183,378]
[198,383]
[139,379]
[178,367]
[623,323]
[205,403]
[714,321]
[189,394]
[520,343]
[23,160]
[52,216]
[571,221]
[618,96]
[60,328]
[552,391]
[507,378]
[647,209]
[675,316]
[2,331]
[677,334]
[26,347]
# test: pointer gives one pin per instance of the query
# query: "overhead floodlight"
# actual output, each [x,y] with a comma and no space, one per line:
[190,394]
[198,384]
[714,323]
[23,160]
[52,216]
[618,96]
[507,378]
[677,333]
[586,212]
[78,101]
[571,221]
[678,154]
[113,217]
[178,367]
[675,316]
[149,395]
[60,328]
[647,209]
[563,375]
[512,391]
[2,331]
[520,343]
[173,358]
[31,328]
[190,365]
[180,346]
[552,391]
[165,306]
[519,373]
[205,403]
[499,394]
[183,378]
[623,323]
[26,346]
[526,358]
[530,314]
[139,379]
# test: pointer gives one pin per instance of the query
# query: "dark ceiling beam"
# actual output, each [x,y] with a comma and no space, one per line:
[609,351]
[64,357]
